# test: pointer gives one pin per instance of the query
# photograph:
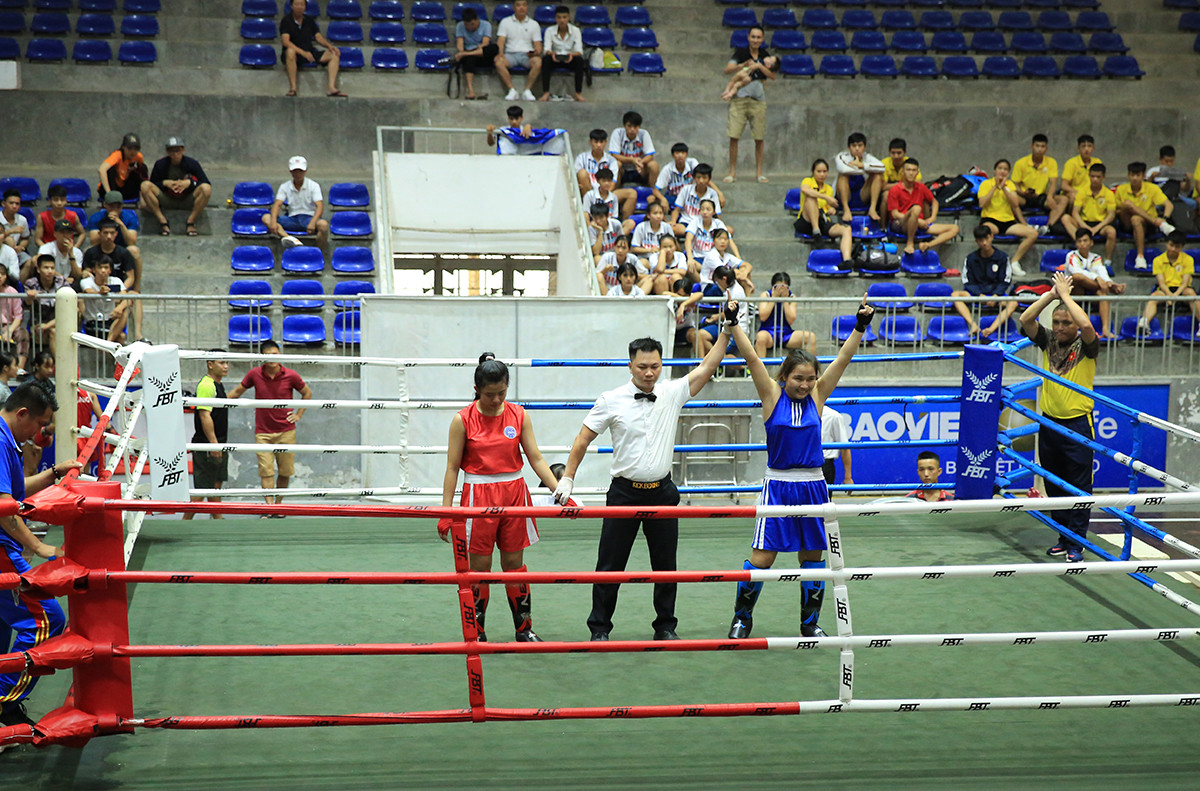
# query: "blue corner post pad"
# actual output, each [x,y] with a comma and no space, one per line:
[979,421]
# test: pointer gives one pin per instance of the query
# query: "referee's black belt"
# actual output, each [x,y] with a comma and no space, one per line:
[643,484]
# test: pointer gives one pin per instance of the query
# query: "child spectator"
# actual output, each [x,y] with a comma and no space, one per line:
[1089,275]
[44,227]
[626,286]
[610,262]
[929,469]
[776,320]
[724,284]
[892,166]
[1075,170]
[519,41]
[127,224]
[1035,178]
[647,232]
[687,202]
[674,177]
[1138,205]
[124,267]
[12,323]
[668,266]
[698,238]
[906,210]
[39,298]
[1095,209]
[986,272]
[1173,278]
[633,149]
[104,316]
[602,229]
[818,210]
[8,371]
[685,329]
[67,257]
[1000,208]
[834,429]
[719,255]
[123,170]
[603,193]
[474,47]
[14,228]
[1175,182]
[588,163]
[858,170]
[563,47]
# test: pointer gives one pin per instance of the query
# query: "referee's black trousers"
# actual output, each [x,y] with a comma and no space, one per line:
[1072,462]
[616,541]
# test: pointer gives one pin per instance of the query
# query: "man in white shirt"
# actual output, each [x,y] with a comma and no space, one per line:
[520,41]
[675,176]
[834,429]
[632,147]
[642,417]
[14,228]
[68,259]
[305,205]
[563,45]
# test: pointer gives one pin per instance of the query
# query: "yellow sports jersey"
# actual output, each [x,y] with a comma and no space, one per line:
[1173,273]
[1196,180]
[1094,208]
[1075,362]
[997,207]
[1075,173]
[1028,176]
[811,183]
[891,173]
[1149,196]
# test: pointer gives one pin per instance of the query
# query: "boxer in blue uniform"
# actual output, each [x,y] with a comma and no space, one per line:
[792,416]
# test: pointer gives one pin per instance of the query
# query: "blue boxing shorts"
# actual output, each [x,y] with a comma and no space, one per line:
[801,486]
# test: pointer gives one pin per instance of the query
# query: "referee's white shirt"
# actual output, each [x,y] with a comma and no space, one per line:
[643,432]
[833,429]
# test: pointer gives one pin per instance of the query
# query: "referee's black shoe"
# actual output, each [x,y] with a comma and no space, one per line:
[812,630]
[14,714]
[665,634]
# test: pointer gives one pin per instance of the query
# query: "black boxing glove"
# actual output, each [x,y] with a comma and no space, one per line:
[862,319]
[731,315]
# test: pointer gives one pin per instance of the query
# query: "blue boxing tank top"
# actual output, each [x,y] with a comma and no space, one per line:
[794,434]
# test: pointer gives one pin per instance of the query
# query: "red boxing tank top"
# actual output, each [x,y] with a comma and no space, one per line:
[493,444]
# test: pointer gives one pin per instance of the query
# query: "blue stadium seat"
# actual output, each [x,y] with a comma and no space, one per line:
[344,31]
[343,9]
[430,33]
[1184,329]
[427,11]
[297,295]
[144,53]
[911,41]
[868,41]
[1082,67]
[1040,66]
[247,294]
[889,296]
[349,195]
[738,17]
[388,10]
[46,49]
[249,328]
[1182,5]
[98,6]
[632,16]
[863,227]
[1105,43]
[922,264]
[346,328]
[30,191]
[257,29]
[797,66]
[949,41]
[252,193]
[779,18]
[828,41]
[819,19]
[353,261]
[918,66]
[976,20]
[859,19]
[302,260]
[1043,3]
[1094,21]
[9,49]
[646,63]
[303,329]
[1122,66]
[139,26]
[387,33]
[948,329]
[1053,260]
[602,37]
[788,41]
[52,5]
[456,13]
[352,58]
[1054,22]
[50,24]
[959,67]
[897,20]
[1067,43]
[1129,331]
[1028,42]
[1092,5]
[78,191]
[12,22]
[260,8]
[1131,262]
[879,66]
[988,42]
[91,51]
[740,37]
[351,223]
[937,20]
[844,325]
[1015,20]
[101,25]
[252,258]
[1001,66]
[826,263]
[592,16]
[27,213]
[544,14]
[639,38]
[837,66]
[791,200]
[900,329]
[347,289]
[248,222]
[934,290]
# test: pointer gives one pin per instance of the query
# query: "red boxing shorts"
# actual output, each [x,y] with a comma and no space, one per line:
[485,533]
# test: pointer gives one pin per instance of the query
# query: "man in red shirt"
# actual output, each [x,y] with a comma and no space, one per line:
[906,210]
[274,426]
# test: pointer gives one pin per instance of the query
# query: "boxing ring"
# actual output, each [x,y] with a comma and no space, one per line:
[96,516]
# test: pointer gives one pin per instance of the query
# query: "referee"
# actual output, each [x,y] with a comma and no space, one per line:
[641,417]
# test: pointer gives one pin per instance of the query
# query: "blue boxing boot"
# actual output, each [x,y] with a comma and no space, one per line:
[743,606]
[812,593]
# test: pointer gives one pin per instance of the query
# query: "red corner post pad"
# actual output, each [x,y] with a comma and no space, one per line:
[56,505]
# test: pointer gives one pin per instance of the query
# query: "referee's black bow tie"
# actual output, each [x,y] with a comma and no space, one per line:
[639,395]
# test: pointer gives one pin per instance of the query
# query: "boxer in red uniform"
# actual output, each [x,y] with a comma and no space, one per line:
[486,440]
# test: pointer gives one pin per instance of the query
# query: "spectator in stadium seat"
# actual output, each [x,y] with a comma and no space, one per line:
[633,149]
[674,177]
[177,182]
[39,299]
[897,153]
[1075,170]
[519,41]
[1173,272]
[127,224]
[588,163]
[719,255]
[775,326]
[1095,208]
[1139,205]
[1089,275]
[626,286]
[123,170]
[563,46]
[14,228]
[669,267]
[604,193]
[906,209]
[856,163]
[300,36]
[929,470]
[610,263]
[473,47]
[987,272]
[751,65]
[1035,178]
[43,229]
[305,204]
[516,118]
[698,239]
[1174,181]
[104,315]
[123,266]
[818,207]
[12,327]
[68,258]
[602,229]
[1000,208]
[687,202]
[648,232]
[724,284]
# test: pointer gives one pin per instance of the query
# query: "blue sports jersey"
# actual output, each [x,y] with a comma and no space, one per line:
[12,476]
[794,434]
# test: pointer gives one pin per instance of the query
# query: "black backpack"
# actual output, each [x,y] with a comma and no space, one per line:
[957,192]
[872,255]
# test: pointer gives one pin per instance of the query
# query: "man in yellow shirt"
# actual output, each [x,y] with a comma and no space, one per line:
[1173,278]
[1075,170]
[1139,205]
[1069,350]
[1035,178]
[1000,209]
[1095,209]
